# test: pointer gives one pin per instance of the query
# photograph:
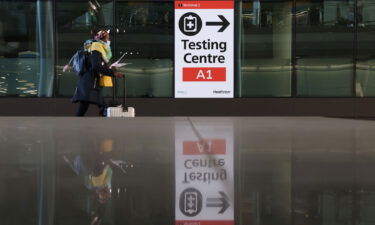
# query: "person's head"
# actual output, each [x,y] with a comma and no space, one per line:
[102,35]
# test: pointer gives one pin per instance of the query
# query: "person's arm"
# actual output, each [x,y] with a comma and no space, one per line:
[96,64]
[68,66]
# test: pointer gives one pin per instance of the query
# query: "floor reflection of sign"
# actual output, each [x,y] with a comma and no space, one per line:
[209,146]
[219,202]
[204,174]
[191,202]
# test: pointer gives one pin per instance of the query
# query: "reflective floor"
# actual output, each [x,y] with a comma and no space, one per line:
[187,171]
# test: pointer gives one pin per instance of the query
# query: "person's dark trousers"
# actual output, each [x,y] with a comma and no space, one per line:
[82,108]
[102,110]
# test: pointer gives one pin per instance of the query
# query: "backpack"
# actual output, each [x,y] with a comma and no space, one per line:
[81,62]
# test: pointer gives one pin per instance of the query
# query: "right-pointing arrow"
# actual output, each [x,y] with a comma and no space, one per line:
[224,23]
[219,202]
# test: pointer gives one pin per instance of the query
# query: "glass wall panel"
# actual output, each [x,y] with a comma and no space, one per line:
[265,186]
[324,47]
[26,173]
[26,48]
[145,36]
[266,42]
[366,48]
[74,20]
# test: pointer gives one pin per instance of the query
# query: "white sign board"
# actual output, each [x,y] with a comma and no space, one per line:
[204,49]
[204,175]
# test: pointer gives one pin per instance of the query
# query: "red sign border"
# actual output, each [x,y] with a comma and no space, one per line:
[204,4]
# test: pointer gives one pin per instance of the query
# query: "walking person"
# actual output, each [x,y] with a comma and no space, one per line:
[90,84]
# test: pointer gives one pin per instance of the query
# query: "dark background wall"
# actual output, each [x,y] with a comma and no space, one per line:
[335,107]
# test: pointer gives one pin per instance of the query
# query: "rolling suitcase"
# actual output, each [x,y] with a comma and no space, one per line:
[121,110]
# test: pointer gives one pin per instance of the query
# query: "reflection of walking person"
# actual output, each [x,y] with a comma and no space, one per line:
[97,169]
[89,86]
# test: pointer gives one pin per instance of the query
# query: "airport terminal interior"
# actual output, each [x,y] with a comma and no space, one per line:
[190,167]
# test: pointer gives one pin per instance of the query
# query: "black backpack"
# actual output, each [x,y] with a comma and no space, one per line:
[81,62]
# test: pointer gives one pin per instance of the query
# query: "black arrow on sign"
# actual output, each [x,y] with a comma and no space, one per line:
[219,202]
[224,23]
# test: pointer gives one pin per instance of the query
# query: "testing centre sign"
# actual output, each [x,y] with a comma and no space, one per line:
[204,175]
[204,49]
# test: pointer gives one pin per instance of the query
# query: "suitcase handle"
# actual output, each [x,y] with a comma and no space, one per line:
[124,94]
